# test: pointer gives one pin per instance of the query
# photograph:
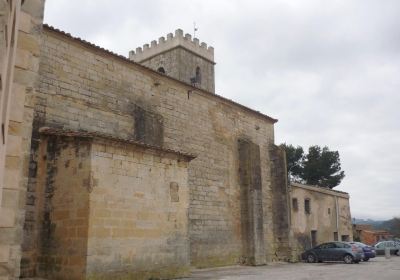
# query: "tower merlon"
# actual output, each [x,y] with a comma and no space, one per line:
[172,41]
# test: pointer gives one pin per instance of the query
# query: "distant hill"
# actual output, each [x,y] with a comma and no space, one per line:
[374,223]
[392,225]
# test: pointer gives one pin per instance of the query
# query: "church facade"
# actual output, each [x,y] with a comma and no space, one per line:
[134,167]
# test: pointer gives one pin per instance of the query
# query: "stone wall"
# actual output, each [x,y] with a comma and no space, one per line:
[110,209]
[181,64]
[82,87]
[280,200]
[17,114]
[63,207]
[251,203]
[138,226]
[179,56]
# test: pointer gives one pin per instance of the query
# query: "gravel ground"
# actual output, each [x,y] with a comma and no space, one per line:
[378,268]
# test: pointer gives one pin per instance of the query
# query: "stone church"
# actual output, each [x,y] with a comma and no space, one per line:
[133,167]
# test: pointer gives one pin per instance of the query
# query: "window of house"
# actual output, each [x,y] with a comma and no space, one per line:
[329,211]
[335,236]
[295,204]
[307,207]
[345,238]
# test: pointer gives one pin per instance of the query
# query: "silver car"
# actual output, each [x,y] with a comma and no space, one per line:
[394,247]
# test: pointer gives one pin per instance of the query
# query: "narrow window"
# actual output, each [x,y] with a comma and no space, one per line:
[307,208]
[161,70]
[329,211]
[295,204]
[198,75]
[335,236]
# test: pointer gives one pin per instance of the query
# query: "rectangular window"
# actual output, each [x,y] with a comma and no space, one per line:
[329,211]
[335,236]
[345,238]
[307,207]
[295,204]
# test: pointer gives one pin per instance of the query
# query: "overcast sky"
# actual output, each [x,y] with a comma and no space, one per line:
[328,70]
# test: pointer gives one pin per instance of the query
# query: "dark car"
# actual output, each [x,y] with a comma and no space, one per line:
[334,251]
[394,247]
[369,252]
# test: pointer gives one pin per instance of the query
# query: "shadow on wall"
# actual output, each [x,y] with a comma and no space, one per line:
[149,126]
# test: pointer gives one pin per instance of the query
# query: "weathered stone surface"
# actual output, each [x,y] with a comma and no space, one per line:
[104,210]
[79,90]
[19,80]
[252,215]
[180,57]
[7,217]
[280,206]
[181,64]
[4,253]
[107,213]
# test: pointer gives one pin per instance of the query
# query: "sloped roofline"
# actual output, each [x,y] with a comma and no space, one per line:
[320,189]
[126,60]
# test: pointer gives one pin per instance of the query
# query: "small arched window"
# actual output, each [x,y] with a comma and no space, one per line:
[198,75]
[161,70]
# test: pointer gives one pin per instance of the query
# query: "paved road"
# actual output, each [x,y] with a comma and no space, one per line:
[378,268]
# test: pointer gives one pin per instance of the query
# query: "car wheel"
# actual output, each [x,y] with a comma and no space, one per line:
[366,259]
[348,259]
[311,258]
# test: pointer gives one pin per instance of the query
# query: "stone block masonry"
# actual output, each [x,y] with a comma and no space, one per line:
[20,29]
[171,42]
[280,204]
[84,88]
[106,191]
[180,57]
[108,209]
[252,215]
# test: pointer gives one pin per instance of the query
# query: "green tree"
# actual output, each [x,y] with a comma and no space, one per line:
[294,161]
[322,167]
[319,166]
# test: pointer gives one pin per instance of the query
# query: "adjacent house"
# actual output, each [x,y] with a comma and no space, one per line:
[318,215]
[367,234]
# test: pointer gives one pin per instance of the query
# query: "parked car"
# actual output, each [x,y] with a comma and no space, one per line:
[369,252]
[334,251]
[394,247]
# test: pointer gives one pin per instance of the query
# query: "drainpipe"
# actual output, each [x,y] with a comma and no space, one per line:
[337,217]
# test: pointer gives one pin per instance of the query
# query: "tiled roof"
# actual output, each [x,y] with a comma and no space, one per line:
[93,135]
[125,59]
[317,187]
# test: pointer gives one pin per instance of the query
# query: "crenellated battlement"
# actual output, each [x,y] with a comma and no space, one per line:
[172,41]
